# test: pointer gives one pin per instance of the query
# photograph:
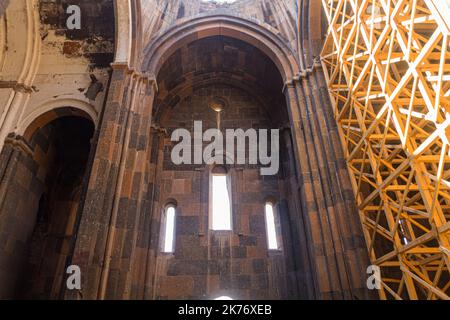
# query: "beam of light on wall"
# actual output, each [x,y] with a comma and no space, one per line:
[170,230]
[271,230]
[221,216]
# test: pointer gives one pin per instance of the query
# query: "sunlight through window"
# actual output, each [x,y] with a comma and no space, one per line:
[223,298]
[271,228]
[221,206]
[169,233]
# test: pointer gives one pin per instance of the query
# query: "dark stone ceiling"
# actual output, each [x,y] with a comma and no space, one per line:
[223,60]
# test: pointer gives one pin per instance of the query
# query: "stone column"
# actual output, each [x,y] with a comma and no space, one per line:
[118,182]
[334,236]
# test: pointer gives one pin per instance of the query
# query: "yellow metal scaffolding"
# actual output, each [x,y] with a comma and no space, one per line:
[387,63]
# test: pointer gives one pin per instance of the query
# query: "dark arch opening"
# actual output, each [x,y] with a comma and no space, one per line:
[61,152]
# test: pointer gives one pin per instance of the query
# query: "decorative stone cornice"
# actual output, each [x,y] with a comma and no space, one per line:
[303,74]
[159,130]
[151,81]
[291,82]
[137,75]
[18,87]
[119,65]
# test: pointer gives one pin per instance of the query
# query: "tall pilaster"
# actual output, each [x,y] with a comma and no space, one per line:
[333,232]
[108,230]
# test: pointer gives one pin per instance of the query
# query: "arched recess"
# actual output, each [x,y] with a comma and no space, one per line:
[261,37]
[184,97]
[49,172]
[181,92]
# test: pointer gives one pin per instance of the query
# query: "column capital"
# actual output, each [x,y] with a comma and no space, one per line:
[19,143]
[290,83]
[120,66]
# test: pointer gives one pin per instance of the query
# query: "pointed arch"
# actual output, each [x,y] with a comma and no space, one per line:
[262,37]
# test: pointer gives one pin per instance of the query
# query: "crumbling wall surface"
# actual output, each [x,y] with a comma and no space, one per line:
[54,67]
[76,62]
[95,39]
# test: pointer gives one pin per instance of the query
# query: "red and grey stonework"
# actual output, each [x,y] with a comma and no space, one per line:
[72,194]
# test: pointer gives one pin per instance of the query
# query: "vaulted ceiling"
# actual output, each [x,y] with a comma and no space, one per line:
[221,60]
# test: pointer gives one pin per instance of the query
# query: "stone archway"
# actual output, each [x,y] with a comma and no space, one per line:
[260,36]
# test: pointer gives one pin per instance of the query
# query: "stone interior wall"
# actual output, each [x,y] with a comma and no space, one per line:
[131,179]
[209,264]
[19,172]
[94,41]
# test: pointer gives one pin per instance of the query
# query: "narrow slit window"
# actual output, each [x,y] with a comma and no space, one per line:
[169,230]
[272,236]
[221,204]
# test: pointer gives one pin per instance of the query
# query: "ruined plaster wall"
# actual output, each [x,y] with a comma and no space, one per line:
[159,15]
[75,64]
[53,67]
